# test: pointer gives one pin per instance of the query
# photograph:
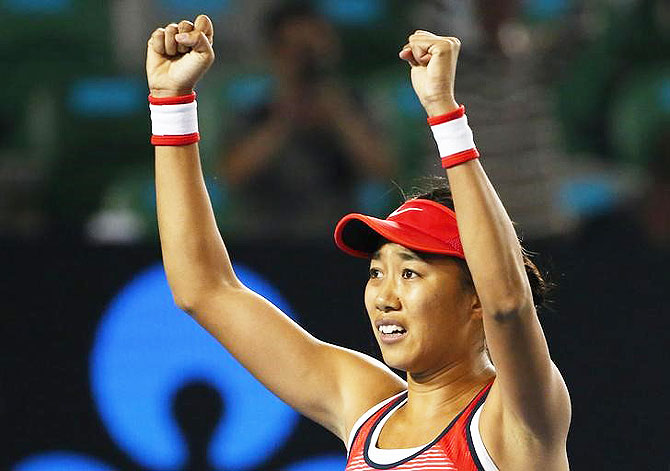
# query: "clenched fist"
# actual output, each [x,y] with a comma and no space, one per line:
[433,68]
[178,55]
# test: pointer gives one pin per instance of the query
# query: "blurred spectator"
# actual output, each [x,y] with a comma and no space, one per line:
[654,208]
[493,16]
[636,38]
[503,82]
[309,154]
[641,223]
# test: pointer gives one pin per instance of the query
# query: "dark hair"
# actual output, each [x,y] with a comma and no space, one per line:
[437,189]
[280,15]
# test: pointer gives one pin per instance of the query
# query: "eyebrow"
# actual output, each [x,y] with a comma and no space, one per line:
[403,255]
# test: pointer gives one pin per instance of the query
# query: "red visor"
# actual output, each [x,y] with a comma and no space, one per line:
[421,225]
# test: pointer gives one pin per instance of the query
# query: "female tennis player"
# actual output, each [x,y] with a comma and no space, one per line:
[451,305]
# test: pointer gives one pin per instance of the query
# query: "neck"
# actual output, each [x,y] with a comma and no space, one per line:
[448,389]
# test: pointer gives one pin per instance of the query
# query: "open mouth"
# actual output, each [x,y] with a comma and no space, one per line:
[390,333]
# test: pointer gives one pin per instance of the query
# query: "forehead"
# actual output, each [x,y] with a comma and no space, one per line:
[393,251]
[397,250]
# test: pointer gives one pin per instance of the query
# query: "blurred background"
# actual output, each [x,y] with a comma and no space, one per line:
[307,114]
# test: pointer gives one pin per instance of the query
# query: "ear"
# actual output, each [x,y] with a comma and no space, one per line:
[476,307]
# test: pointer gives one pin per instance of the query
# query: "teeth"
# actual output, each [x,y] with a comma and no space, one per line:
[390,329]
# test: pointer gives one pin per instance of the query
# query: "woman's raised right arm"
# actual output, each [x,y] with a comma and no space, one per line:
[329,384]
[194,255]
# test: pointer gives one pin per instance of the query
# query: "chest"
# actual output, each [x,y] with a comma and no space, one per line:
[399,431]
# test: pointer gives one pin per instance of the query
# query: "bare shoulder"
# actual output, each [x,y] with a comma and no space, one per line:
[512,444]
[364,382]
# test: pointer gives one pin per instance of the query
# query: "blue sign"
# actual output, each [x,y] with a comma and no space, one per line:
[145,350]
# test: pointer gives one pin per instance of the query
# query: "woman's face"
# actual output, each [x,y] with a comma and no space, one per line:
[422,314]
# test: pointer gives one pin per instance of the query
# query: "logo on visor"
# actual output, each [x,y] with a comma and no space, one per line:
[400,211]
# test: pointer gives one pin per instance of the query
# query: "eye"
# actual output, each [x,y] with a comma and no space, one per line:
[374,273]
[409,274]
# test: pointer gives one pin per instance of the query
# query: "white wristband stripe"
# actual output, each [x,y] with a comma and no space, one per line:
[174,120]
[453,136]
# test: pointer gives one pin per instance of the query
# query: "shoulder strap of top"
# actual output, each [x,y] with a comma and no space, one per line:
[480,454]
[477,401]
[353,434]
[456,440]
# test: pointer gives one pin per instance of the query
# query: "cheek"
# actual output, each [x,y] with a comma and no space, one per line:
[441,309]
[368,298]
[430,300]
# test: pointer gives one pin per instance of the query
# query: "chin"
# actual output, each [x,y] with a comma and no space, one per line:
[396,360]
[407,361]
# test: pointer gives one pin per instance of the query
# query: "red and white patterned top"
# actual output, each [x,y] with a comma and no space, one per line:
[454,449]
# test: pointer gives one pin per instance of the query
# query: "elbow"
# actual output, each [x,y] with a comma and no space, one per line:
[506,299]
[196,300]
[185,295]
[190,301]
[507,309]
[186,302]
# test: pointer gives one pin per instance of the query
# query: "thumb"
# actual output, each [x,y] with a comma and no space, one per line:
[196,40]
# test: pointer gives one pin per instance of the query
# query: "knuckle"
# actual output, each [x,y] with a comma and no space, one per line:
[447,45]
[185,25]
[454,43]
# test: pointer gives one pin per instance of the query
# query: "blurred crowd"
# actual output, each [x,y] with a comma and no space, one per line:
[308,114]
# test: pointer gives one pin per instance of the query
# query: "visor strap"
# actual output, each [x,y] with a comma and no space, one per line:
[453,137]
[174,120]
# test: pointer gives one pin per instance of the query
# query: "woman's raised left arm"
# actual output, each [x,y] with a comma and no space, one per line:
[530,393]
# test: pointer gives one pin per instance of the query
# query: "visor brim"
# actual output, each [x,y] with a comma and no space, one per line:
[360,235]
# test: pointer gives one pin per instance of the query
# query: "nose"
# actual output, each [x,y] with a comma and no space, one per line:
[387,298]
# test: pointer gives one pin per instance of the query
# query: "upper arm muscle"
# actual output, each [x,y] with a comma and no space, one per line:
[530,390]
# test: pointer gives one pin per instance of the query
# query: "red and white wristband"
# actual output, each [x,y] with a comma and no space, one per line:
[174,120]
[453,137]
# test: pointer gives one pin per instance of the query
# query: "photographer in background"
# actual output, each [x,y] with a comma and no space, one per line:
[310,151]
